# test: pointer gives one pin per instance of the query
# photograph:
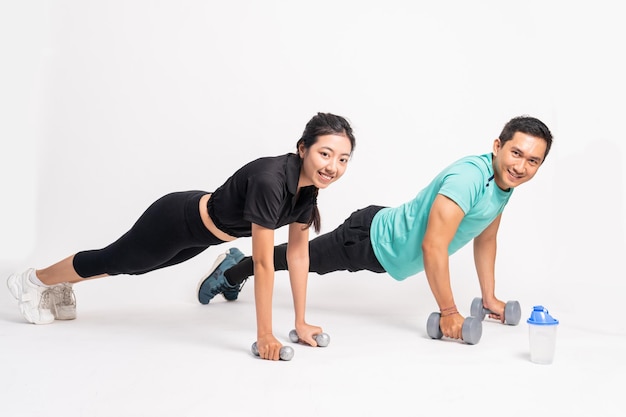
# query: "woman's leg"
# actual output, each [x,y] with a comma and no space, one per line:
[62,271]
[169,232]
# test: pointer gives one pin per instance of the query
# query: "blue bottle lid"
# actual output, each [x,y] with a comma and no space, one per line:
[541,317]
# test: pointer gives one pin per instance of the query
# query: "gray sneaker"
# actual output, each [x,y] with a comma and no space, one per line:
[62,301]
[32,300]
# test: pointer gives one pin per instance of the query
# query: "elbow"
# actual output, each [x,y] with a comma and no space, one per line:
[431,248]
[263,265]
[297,257]
[297,260]
[427,247]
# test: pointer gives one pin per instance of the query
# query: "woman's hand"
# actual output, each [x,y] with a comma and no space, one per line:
[306,332]
[268,347]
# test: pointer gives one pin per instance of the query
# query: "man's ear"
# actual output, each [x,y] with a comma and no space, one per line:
[497,145]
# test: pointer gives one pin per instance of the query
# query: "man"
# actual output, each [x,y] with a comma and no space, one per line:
[463,202]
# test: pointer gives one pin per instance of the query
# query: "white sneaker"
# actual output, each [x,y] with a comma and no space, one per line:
[35,307]
[62,301]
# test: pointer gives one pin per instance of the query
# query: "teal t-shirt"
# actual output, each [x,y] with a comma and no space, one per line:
[397,232]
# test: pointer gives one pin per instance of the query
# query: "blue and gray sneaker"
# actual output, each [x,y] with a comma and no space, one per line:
[214,282]
[232,293]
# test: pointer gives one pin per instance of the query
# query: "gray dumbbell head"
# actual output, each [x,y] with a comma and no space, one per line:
[472,330]
[322,339]
[512,313]
[293,336]
[286,353]
[432,326]
[477,309]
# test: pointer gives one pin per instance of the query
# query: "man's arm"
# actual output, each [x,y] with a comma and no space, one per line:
[485,246]
[443,221]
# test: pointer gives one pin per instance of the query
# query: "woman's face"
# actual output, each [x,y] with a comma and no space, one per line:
[325,161]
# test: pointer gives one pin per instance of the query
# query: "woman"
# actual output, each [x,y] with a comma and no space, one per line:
[262,196]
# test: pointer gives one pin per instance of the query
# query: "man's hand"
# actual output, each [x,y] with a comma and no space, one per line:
[452,326]
[496,307]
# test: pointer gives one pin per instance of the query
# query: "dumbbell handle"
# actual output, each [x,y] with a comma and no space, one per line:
[512,311]
[286,352]
[322,339]
[471,332]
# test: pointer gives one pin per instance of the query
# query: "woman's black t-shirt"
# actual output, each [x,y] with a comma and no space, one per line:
[262,192]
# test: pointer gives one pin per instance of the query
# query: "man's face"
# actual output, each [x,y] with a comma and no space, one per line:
[518,160]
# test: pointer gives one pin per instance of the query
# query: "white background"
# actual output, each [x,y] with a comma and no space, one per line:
[106,106]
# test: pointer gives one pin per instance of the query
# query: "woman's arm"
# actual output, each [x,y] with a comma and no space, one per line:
[298,263]
[263,258]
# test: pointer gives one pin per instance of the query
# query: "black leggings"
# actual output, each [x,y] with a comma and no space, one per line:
[347,248]
[169,232]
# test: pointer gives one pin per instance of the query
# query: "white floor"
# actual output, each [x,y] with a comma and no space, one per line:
[142,346]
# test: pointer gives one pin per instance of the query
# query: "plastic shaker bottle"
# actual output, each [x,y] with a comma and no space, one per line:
[542,335]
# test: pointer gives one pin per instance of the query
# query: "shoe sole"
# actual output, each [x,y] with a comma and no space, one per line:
[61,314]
[216,264]
[14,289]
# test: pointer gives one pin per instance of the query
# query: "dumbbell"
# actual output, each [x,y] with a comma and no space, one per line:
[512,311]
[322,339]
[471,331]
[286,352]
